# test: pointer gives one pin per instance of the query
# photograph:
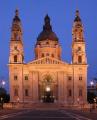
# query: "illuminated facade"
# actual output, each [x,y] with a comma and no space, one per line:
[47,78]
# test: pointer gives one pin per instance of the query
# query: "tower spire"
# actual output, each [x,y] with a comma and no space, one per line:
[47,25]
[16,27]
[16,12]
[16,18]
[77,13]
[77,18]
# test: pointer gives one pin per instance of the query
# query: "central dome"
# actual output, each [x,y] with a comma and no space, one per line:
[47,32]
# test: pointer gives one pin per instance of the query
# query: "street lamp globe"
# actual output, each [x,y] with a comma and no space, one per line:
[3,83]
[91,83]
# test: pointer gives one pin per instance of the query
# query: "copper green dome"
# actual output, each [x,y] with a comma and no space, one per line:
[47,32]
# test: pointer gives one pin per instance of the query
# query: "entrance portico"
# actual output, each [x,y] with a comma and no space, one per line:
[48,89]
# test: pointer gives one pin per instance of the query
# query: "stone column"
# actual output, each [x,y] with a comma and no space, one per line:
[31,86]
[65,88]
[35,86]
[85,86]
[75,85]
[60,87]
[21,83]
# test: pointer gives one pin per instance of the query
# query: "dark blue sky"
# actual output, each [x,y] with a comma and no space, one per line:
[62,13]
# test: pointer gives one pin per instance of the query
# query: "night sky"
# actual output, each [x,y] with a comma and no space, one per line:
[62,14]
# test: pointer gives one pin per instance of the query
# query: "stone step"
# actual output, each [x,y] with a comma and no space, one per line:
[41,105]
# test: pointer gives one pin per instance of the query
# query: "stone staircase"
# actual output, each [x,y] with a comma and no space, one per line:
[48,106]
[42,106]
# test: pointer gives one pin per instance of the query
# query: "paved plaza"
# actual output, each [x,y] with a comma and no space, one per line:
[41,114]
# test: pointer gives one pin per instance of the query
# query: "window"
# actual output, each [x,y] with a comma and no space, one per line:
[69,78]
[15,58]
[26,92]
[15,36]
[47,42]
[79,59]
[52,55]
[75,30]
[79,48]
[80,92]
[42,55]
[26,77]
[15,77]
[15,92]
[69,93]
[80,77]
[15,47]
[47,54]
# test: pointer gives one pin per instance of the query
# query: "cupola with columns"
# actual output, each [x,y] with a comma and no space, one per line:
[47,42]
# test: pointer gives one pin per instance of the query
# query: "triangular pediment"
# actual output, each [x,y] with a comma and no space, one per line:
[47,60]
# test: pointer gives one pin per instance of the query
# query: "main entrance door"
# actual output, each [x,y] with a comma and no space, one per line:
[48,95]
[48,90]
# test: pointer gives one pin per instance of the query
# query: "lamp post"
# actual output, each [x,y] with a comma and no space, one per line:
[1,102]
[91,86]
[18,99]
[2,99]
[94,102]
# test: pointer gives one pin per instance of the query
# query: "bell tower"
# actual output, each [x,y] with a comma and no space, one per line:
[16,44]
[78,42]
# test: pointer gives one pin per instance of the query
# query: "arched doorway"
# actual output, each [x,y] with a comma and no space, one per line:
[47,89]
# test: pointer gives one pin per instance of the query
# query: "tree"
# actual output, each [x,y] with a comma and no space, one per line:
[96,82]
[90,97]
[3,95]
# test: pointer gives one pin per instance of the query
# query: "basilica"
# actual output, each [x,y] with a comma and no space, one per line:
[47,78]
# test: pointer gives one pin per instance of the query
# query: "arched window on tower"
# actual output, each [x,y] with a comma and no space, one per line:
[79,59]
[15,36]
[15,47]
[79,48]
[80,35]
[15,58]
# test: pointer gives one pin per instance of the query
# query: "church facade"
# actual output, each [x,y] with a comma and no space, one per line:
[47,78]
